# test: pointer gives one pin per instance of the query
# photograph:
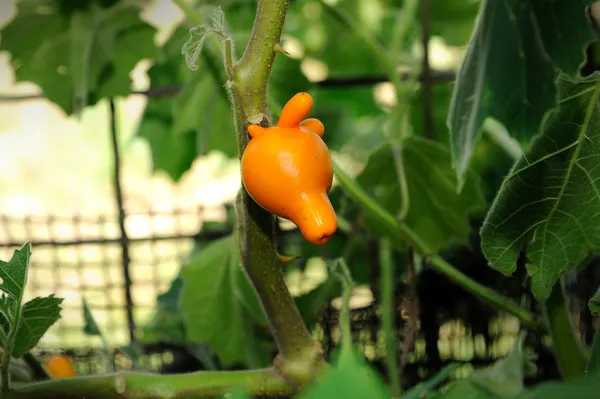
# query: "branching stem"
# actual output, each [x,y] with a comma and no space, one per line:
[402,232]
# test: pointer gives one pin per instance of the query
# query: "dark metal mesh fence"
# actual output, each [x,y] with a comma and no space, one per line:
[81,257]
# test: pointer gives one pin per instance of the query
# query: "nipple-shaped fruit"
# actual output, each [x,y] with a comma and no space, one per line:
[287,169]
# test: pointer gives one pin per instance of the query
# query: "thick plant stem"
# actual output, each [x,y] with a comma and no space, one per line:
[569,354]
[299,353]
[202,384]
[402,232]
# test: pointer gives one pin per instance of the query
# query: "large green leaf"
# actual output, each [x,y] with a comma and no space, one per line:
[510,68]
[437,212]
[550,201]
[79,57]
[217,309]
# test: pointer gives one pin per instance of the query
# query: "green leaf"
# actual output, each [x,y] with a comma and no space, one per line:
[193,47]
[311,303]
[510,68]
[351,378]
[80,57]
[37,316]
[90,327]
[14,273]
[218,19]
[550,202]
[215,309]
[505,377]
[437,213]
[171,153]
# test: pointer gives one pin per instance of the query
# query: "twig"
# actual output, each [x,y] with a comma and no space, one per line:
[124,239]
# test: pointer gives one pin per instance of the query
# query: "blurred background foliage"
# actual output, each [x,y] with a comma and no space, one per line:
[68,58]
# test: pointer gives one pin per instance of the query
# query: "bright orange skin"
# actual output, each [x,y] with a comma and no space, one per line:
[60,367]
[287,169]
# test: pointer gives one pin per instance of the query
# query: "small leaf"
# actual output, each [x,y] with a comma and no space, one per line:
[192,48]
[37,316]
[90,326]
[550,202]
[218,20]
[14,272]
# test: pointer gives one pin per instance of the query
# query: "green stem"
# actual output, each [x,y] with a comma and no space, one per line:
[202,384]
[401,231]
[388,311]
[340,269]
[228,56]
[10,345]
[569,354]
[397,152]
[499,135]
[404,20]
